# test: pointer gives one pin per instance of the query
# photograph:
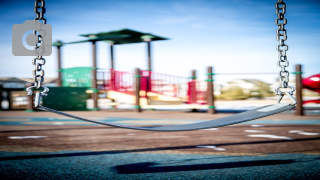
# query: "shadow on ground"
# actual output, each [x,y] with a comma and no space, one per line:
[148,167]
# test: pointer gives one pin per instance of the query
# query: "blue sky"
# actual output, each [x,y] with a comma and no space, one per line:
[232,36]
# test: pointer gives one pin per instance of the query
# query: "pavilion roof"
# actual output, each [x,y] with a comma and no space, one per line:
[122,36]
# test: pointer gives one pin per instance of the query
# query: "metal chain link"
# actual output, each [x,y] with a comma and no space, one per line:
[40,13]
[282,48]
[39,61]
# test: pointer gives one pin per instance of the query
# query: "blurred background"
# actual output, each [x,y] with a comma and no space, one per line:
[234,37]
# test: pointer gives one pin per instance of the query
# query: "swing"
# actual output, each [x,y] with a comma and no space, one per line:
[233,119]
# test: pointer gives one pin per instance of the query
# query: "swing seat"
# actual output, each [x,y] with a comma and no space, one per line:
[229,120]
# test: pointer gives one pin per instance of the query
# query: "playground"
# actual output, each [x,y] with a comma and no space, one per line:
[96,123]
[94,88]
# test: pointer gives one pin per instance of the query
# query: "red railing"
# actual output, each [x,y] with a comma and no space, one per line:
[197,92]
[117,81]
[169,85]
[190,91]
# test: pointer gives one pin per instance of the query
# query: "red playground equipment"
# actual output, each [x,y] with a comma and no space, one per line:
[156,88]
[160,89]
[312,83]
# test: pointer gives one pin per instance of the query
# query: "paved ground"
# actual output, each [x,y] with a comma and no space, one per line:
[42,145]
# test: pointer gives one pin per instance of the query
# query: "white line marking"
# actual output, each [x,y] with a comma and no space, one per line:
[295,131]
[253,131]
[308,134]
[269,136]
[26,137]
[304,133]
[257,125]
[211,129]
[212,147]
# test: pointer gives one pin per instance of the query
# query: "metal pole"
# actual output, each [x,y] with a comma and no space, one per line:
[149,78]
[149,55]
[59,80]
[210,91]
[94,95]
[112,73]
[137,107]
[111,57]
[299,86]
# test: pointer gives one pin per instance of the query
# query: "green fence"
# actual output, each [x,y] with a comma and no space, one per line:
[77,77]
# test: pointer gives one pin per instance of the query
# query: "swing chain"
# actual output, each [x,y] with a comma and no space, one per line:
[38,61]
[282,50]
[40,13]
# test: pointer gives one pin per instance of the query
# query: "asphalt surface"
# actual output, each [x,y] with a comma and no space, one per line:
[42,145]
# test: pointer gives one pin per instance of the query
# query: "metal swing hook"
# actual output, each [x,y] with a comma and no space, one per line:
[37,99]
[289,94]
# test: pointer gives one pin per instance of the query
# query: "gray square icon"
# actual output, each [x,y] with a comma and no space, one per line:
[45,34]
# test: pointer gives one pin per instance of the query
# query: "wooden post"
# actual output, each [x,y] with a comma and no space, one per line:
[1,97]
[30,101]
[210,91]
[94,94]
[58,44]
[30,104]
[59,80]
[194,86]
[299,86]
[137,107]
[193,89]
[194,74]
